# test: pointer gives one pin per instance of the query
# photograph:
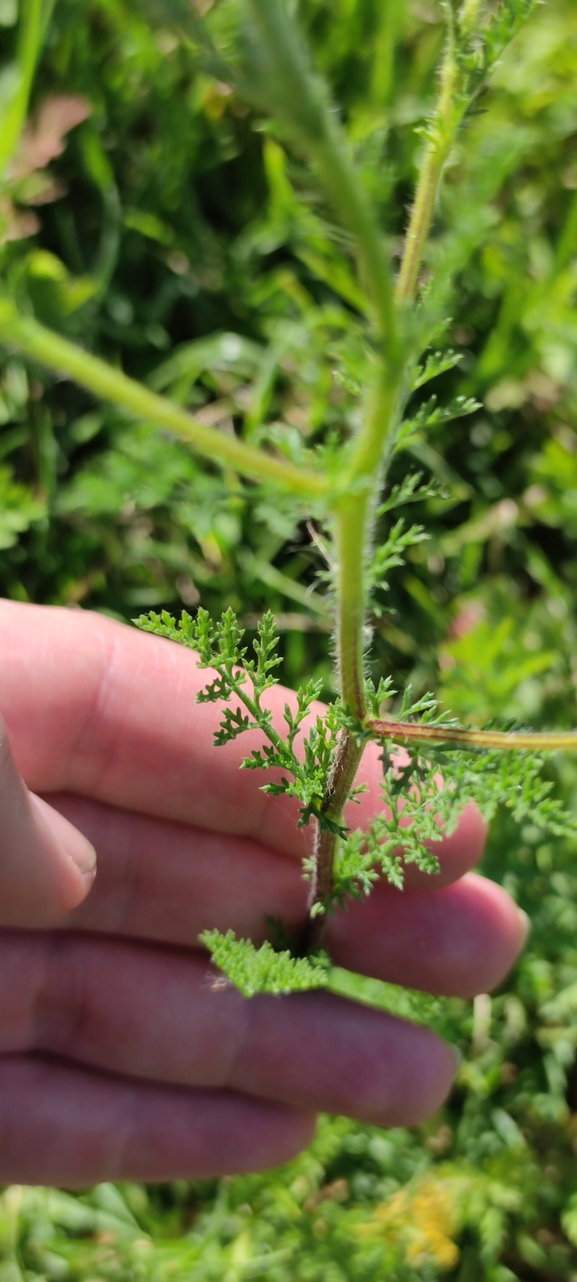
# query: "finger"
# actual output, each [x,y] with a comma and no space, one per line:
[104,711]
[157,1014]
[458,941]
[168,882]
[46,866]
[65,1126]
[100,709]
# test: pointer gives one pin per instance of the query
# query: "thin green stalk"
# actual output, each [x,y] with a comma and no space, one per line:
[352,537]
[34,340]
[442,131]
[367,460]
[406,732]
[299,99]
[350,544]
[352,517]
[471,13]
[253,706]
[352,514]
[29,43]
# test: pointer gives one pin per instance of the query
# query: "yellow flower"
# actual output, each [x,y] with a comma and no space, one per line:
[421,1222]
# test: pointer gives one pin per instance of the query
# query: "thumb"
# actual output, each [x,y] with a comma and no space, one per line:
[46,866]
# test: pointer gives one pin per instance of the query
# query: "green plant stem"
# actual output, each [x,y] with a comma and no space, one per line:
[367,459]
[442,131]
[346,762]
[351,521]
[352,518]
[471,14]
[406,732]
[345,765]
[299,99]
[350,544]
[254,708]
[58,354]
[301,103]
[29,42]
[353,515]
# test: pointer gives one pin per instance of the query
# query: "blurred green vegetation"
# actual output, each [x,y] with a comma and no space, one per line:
[168,230]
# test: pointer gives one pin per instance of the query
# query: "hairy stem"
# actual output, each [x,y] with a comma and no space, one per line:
[34,340]
[350,541]
[352,516]
[346,762]
[366,464]
[352,521]
[471,14]
[442,131]
[406,732]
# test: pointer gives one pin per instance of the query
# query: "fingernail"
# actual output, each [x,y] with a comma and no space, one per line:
[525,926]
[83,854]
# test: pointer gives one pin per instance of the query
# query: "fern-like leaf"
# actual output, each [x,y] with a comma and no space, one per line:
[262,970]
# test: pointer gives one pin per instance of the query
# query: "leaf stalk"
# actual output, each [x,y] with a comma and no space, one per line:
[32,339]
[442,130]
[407,732]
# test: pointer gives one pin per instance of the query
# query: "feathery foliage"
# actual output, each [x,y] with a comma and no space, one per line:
[263,970]
[423,793]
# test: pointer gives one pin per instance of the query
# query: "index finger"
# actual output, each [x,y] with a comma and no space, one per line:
[99,709]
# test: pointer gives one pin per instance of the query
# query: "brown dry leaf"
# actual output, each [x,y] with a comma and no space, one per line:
[43,137]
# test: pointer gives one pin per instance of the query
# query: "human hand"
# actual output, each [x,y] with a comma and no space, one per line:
[122,1056]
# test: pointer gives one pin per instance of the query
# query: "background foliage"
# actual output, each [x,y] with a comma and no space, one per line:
[157,220]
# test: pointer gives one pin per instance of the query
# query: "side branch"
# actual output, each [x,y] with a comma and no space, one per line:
[407,732]
[443,130]
[32,339]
